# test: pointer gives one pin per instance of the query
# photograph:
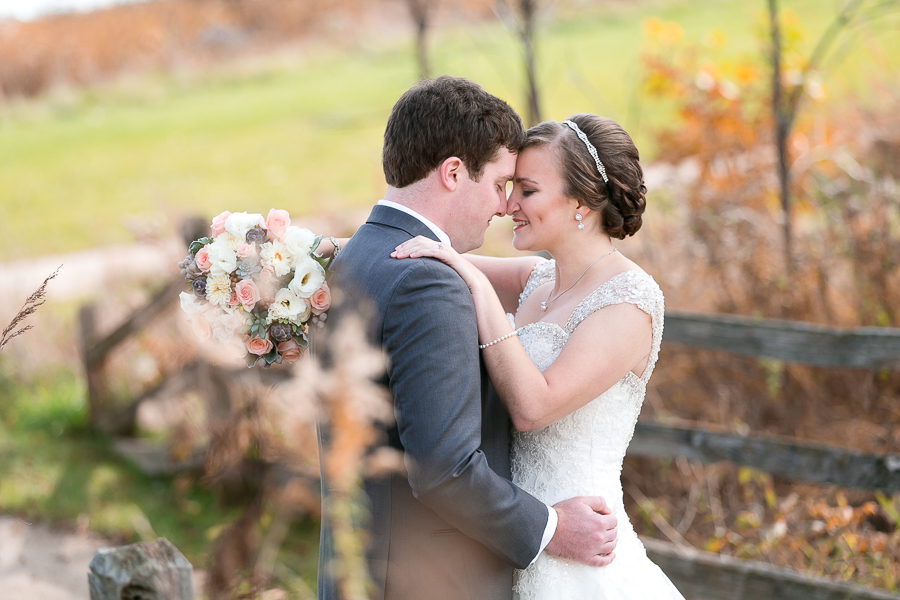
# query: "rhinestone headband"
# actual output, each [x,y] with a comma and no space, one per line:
[590,148]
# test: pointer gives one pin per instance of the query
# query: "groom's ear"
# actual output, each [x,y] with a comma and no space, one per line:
[450,171]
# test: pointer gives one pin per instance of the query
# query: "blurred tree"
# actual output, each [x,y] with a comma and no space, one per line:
[786,95]
[420,11]
[520,16]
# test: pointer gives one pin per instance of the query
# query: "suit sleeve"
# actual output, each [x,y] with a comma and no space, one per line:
[431,337]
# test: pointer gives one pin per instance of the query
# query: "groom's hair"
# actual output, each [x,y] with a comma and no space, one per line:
[444,117]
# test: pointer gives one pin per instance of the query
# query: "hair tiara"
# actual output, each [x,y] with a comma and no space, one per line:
[590,148]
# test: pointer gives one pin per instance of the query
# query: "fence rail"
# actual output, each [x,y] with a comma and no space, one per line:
[790,458]
[792,341]
[705,576]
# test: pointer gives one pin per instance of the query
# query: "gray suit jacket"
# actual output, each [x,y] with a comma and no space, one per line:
[454,526]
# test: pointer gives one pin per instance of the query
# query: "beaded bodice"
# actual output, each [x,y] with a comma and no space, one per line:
[582,453]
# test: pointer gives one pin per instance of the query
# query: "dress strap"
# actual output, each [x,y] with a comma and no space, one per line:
[632,287]
[543,271]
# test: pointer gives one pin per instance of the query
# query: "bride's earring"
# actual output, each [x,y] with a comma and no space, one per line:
[579,218]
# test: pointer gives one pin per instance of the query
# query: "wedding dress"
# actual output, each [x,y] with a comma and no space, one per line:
[582,453]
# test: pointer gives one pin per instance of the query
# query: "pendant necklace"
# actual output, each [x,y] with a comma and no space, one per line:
[547,302]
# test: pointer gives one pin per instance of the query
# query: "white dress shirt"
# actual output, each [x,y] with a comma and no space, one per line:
[553,519]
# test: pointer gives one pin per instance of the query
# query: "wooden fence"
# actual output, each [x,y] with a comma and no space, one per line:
[700,575]
[705,576]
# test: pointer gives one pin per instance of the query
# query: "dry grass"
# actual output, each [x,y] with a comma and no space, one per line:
[35,300]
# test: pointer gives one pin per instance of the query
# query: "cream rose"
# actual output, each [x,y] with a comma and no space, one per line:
[258,346]
[290,351]
[277,221]
[308,277]
[218,223]
[320,301]
[298,241]
[247,293]
[238,224]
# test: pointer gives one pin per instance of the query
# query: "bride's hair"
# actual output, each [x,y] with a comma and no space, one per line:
[622,200]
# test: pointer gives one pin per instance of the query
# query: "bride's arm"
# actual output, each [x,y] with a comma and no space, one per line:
[326,246]
[603,348]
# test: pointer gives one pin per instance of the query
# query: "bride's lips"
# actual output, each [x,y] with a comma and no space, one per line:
[519,224]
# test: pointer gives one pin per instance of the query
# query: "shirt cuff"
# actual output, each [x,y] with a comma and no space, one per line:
[549,531]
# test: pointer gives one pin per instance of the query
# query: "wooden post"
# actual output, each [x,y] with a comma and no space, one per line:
[146,571]
[96,390]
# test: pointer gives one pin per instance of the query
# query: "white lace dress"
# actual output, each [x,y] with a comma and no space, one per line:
[582,454]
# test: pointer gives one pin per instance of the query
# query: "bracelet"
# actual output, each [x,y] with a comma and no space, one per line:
[337,247]
[499,339]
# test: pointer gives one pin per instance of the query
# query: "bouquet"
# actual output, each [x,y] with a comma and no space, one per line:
[256,283]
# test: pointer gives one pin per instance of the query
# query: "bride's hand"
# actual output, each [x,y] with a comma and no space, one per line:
[421,246]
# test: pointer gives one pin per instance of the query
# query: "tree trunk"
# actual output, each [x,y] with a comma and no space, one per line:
[419,9]
[527,10]
[782,126]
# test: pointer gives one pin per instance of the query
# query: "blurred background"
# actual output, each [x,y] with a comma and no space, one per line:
[769,133]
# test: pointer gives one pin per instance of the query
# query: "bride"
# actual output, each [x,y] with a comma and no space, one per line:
[588,326]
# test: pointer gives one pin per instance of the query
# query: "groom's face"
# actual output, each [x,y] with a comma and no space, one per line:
[480,201]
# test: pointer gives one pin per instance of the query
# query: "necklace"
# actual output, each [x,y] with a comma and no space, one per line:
[547,302]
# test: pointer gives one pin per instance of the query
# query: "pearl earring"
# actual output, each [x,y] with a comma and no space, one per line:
[578,218]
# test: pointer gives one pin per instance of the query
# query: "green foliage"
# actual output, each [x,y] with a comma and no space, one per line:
[53,469]
[196,245]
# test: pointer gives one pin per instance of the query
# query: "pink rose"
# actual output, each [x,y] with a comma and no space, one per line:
[202,258]
[290,351]
[233,301]
[258,346]
[218,223]
[277,221]
[247,294]
[246,250]
[320,301]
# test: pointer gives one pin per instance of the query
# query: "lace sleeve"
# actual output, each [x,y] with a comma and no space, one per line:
[544,271]
[633,287]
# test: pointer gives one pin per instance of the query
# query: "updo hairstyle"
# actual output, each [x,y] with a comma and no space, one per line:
[622,201]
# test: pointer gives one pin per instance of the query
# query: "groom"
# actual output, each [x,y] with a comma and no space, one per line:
[453,526]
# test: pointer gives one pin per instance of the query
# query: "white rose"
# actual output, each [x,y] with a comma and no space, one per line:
[277,256]
[221,258]
[308,277]
[238,224]
[189,304]
[298,241]
[232,242]
[228,324]
[288,306]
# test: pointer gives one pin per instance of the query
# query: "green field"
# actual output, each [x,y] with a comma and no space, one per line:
[78,169]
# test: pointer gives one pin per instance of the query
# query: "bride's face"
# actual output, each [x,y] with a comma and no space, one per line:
[540,211]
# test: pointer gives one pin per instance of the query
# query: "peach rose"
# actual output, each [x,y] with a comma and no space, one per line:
[258,346]
[202,259]
[246,250]
[277,221]
[247,293]
[218,223]
[200,323]
[320,301]
[290,351]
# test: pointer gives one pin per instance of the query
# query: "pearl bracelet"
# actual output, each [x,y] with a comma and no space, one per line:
[499,339]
